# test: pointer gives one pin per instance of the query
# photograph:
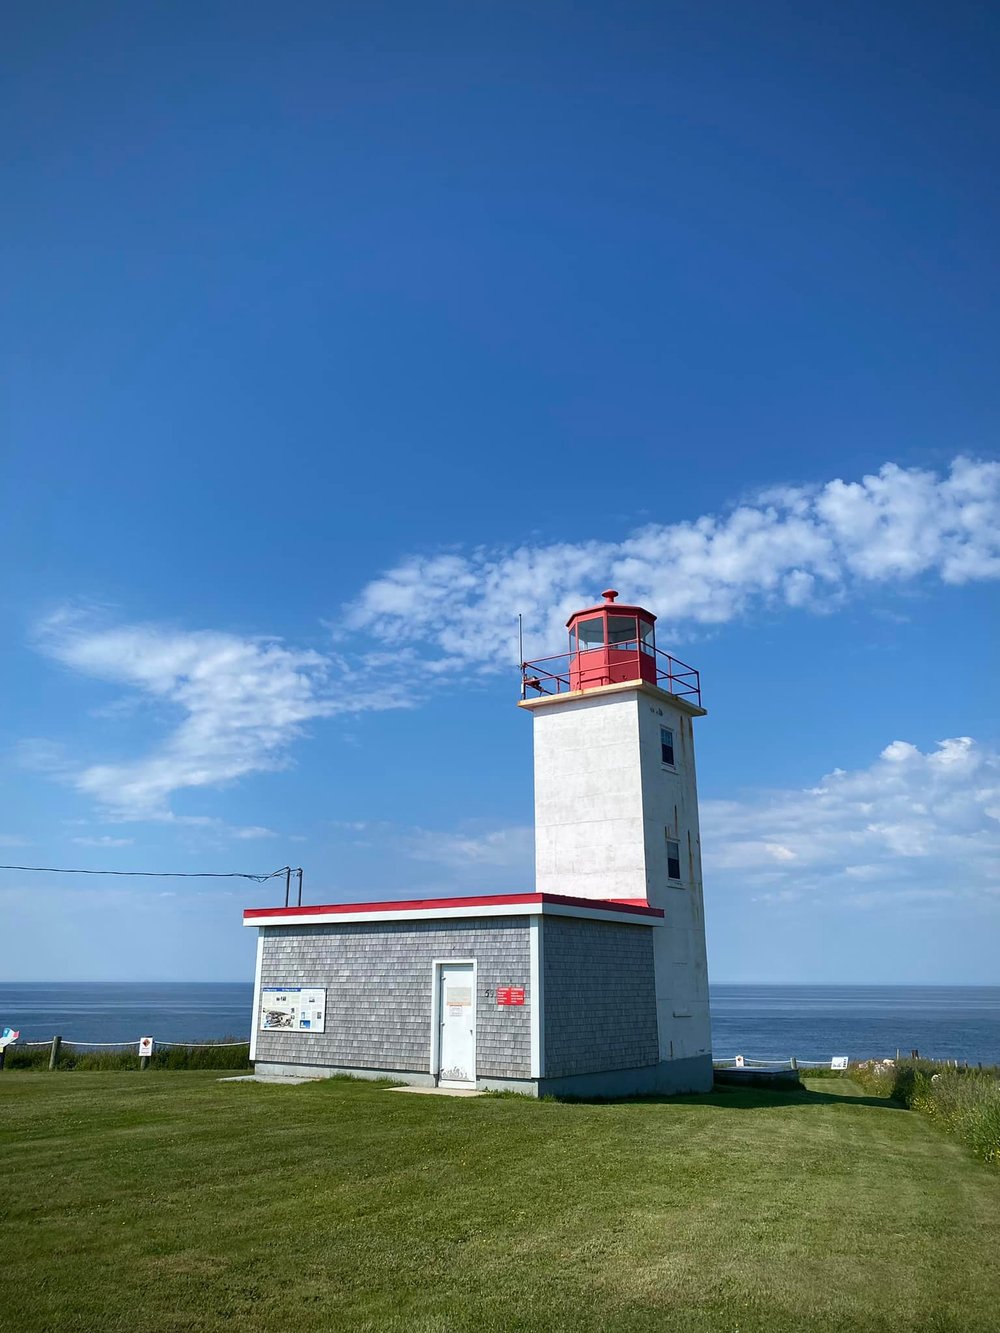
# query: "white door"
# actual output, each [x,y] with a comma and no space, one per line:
[457,1033]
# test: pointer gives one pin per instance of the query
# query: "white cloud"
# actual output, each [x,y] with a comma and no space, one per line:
[792,546]
[242,701]
[233,705]
[912,827]
[253,831]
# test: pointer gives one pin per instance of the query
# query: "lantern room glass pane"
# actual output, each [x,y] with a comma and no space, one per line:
[591,633]
[647,641]
[621,632]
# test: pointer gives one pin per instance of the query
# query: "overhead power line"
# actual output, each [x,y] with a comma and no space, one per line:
[163,874]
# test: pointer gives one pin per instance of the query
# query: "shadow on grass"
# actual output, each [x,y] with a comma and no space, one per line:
[745,1099]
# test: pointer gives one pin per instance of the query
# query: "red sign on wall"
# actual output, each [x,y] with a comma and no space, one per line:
[510,995]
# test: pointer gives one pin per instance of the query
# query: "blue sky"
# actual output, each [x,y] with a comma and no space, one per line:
[336,336]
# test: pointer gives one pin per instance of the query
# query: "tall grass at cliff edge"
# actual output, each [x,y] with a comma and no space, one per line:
[212,1055]
[962,1102]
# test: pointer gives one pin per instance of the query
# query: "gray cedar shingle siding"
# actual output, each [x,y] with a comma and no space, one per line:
[378,992]
[600,997]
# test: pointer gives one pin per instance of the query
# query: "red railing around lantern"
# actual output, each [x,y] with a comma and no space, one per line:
[553,675]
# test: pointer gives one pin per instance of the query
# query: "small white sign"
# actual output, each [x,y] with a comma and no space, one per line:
[839,1062]
[145,1045]
[292,1009]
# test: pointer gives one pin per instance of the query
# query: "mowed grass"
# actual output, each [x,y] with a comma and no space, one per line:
[171,1201]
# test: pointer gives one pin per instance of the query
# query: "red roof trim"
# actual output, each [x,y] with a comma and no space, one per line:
[430,904]
[613,609]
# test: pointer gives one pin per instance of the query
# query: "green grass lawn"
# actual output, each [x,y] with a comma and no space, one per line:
[171,1201]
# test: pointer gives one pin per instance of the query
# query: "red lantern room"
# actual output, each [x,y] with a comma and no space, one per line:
[610,644]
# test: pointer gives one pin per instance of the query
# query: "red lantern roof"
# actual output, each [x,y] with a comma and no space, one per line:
[610,604]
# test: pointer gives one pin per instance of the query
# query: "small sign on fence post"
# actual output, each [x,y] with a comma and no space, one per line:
[839,1062]
[145,1051]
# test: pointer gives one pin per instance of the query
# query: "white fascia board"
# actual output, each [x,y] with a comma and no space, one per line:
[594,913]
[258,973]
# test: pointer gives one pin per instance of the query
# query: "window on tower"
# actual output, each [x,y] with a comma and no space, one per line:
[673,859]
[667,746]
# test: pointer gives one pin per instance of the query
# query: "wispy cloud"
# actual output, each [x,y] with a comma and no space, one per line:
[913,827]
[512,848]
[105,841]
[243,701]
[798,547]
[509,847]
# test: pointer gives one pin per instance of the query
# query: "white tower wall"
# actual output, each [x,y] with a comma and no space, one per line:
[605,805]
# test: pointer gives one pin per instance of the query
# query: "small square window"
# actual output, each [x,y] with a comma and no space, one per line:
[673,859]
[667,746]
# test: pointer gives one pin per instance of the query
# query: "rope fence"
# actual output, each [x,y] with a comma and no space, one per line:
[143,1053]
[102,1045]
[775,1066]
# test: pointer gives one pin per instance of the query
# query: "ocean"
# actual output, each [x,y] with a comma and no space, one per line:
[817,1022]
[760,1022]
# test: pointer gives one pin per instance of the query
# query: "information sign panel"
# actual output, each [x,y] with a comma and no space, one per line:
[145,1045]
[292,1009]
[510,995]
[839,1062]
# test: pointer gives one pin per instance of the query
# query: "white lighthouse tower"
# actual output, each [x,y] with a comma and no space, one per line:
[616,801]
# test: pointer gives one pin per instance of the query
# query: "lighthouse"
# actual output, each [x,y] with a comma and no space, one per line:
[616,797]
[592,981]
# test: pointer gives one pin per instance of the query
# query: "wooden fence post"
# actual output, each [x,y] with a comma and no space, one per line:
[54,1053]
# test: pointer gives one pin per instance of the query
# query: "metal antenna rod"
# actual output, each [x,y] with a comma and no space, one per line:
[288,883]
[299,873]
[520,649]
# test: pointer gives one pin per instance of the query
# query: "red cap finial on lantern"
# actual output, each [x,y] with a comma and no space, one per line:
[609,594]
